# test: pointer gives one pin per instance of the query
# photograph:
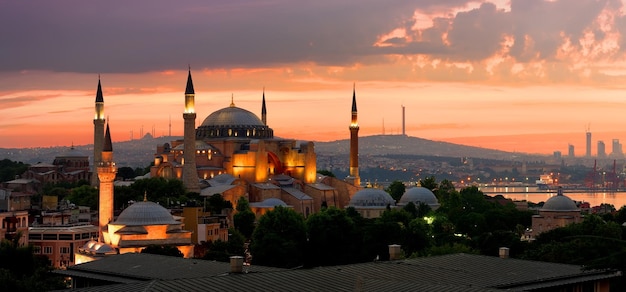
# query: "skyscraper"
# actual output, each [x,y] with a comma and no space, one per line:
[570,150]
[601,149]
[588,145]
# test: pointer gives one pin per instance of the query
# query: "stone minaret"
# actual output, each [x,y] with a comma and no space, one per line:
[354,143]
[264,110]
[106,173]
[190,173]
[98,134]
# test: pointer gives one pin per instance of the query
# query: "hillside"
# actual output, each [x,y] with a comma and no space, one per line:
[406,145]
[140,152]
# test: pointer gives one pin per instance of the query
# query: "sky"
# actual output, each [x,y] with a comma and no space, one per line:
[524,75]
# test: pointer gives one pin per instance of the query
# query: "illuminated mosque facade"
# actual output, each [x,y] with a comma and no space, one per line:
[234,153]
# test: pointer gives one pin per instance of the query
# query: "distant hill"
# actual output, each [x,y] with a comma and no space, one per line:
[406,145]
[140,152]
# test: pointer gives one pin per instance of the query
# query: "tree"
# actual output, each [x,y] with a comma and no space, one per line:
[217,204]
[168,250]
[396,189]
[279,239]
[221,251]
[126,173]
[429,183]
[333,238]
[84,196]
[244,218]
[20,270]
[10,169]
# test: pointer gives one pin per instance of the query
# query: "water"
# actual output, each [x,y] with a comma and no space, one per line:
[535,195]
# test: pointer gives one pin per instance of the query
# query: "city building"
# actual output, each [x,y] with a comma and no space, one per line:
[60,243]
[570,151]
[601,149]
[71,167]
[616,149]
[558,211]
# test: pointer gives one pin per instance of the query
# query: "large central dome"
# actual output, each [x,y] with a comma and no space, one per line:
[233,122]
[230,116]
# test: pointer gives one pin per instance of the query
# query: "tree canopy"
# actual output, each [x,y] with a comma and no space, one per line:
[279,239]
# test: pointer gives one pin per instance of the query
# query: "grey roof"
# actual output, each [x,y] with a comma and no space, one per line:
[145,213]
[269,203]
[455,272]
[219,189]
[232,116]
[371,197]
[321,186]
[419,195]
[297,193]
[151,266]
[559,203]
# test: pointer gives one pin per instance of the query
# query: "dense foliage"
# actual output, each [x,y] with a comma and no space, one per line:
[279,239]
[9,169]
[21,270]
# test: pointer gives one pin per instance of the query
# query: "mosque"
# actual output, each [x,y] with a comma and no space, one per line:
[232,153]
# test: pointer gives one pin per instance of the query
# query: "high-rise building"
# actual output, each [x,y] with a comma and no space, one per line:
[570,150]
[601,149]
[588,145]
[616,148]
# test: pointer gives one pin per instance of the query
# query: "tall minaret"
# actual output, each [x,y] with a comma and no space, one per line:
[264,110]
[106,173]
[190,173]
[403,122]
[354,143]
[98,133]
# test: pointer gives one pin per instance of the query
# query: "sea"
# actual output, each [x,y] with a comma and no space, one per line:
[535,195]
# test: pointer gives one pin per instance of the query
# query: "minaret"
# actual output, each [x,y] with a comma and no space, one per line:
[264,110]
[354,143]
[190,173]
[403,122]
[98,133]
[106,173]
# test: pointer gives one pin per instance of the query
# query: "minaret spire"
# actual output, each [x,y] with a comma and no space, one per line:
[98,132]
[354,142]
[190,172]
[232,100]
[264,109]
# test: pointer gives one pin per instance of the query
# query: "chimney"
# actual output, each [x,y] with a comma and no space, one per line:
[504,252]
[236,264]
[394,252]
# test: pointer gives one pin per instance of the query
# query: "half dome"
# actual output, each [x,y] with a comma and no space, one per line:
[145,213]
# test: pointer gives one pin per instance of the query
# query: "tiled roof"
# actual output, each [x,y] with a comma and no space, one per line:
[456,272]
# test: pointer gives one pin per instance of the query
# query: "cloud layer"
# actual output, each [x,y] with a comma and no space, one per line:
[456,40]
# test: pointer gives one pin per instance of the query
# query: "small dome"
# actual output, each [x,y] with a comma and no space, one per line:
[559,203]
[420,195]
[371,198]
[145,213]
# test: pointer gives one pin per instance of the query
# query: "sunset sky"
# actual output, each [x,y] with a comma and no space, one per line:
[523,75]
